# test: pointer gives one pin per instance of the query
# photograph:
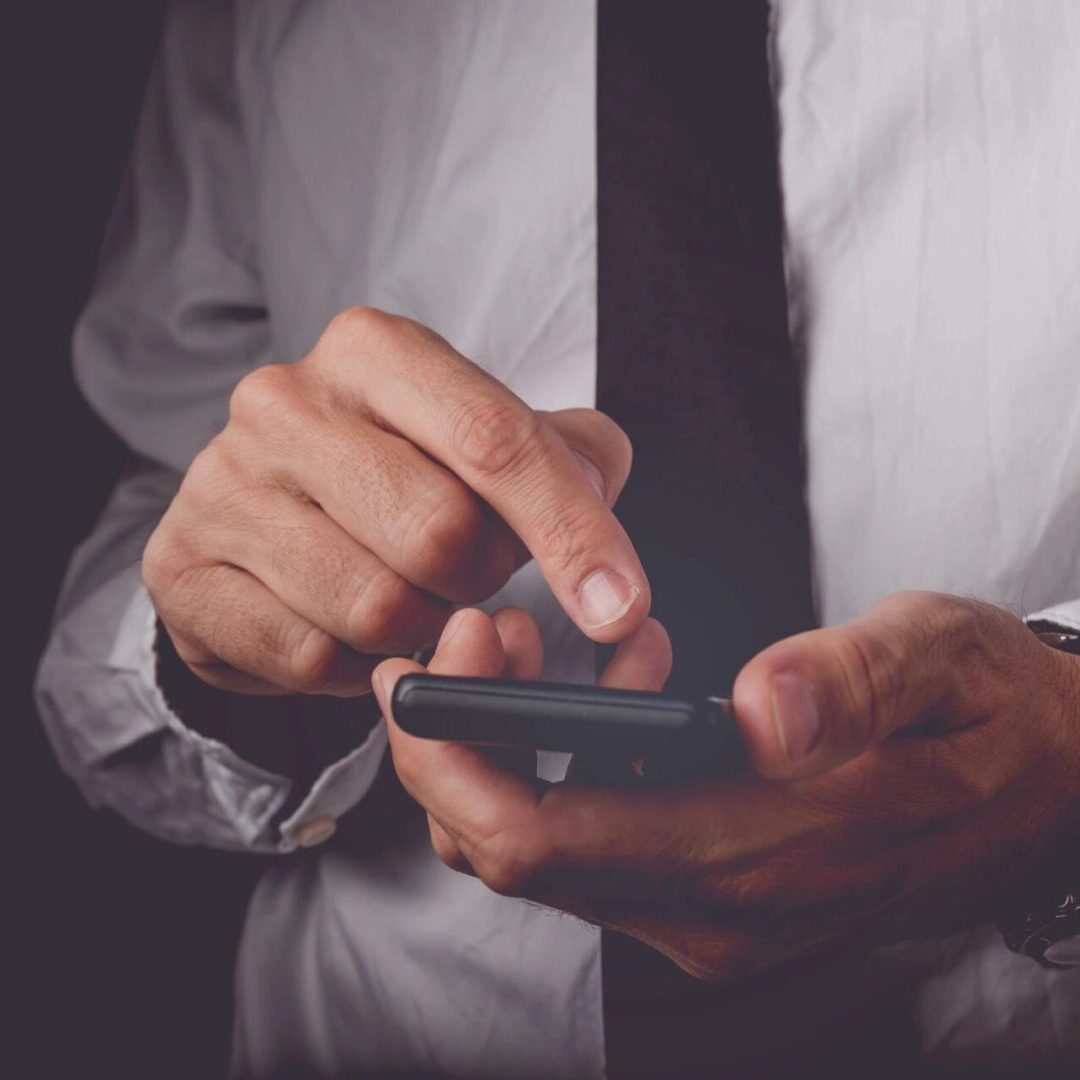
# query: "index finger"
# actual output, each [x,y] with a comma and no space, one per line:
[516,461]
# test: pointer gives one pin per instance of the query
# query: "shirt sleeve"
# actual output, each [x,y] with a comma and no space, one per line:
[175,320]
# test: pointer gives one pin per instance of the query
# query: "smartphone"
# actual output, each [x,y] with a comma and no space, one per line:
[567,717]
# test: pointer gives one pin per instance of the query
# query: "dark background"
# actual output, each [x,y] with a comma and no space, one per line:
[123,945]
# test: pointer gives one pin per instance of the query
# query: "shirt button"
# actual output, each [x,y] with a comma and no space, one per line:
[316,831]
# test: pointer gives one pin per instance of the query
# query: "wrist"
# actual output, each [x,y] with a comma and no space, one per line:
[1067,699]
[1041,920]
[292,735]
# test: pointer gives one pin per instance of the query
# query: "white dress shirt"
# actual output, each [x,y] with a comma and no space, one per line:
[437,160]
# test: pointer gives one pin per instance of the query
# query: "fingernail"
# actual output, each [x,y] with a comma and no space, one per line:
[452,627]
[592,474]
[377,683]
[795,714]
[605,596]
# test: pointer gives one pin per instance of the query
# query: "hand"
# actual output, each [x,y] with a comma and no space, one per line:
[355,497]
[920,760]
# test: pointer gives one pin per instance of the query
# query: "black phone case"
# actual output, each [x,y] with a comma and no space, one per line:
[567,717]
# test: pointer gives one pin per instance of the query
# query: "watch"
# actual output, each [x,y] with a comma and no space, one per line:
[1048,931]
[1049,935]
[1057,638]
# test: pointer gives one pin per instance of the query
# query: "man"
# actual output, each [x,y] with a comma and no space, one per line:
[326,484]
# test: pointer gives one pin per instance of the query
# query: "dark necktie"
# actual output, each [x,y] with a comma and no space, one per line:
[694,356]
[695,363]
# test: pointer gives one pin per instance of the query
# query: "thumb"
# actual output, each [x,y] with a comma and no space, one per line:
[815,700]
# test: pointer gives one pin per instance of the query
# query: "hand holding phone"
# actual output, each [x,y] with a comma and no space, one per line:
[672,735]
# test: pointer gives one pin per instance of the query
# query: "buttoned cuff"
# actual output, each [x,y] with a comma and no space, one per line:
[115,734]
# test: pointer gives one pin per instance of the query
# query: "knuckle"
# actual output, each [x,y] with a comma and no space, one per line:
[562,532]
[266,395]
[166,558]
[493,436]
[599,439]
[375,619]
[921,603]
[447,850]
[964,624]
[507,864]
[954,622]
[873,673]
[446,539]
[359,326]
[311,656]
[374,335]
[954,635]
[219,490]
